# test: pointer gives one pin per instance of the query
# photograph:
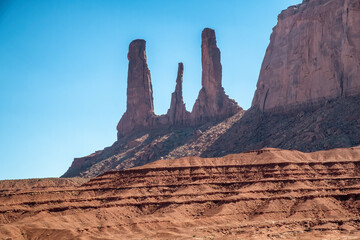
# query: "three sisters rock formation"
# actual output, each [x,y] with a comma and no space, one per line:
[211,104]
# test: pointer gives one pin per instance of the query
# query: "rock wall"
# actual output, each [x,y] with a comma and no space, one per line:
[313,55]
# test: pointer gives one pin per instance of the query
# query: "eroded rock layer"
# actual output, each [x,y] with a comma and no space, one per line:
[264,194]
[313,56]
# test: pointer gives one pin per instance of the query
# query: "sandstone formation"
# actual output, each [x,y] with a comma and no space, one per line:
[313,56]
[212,102]
[263,194]
[177,113]
[306,98]
[139,108]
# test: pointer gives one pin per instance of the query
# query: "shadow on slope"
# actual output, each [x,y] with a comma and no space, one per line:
[333,124]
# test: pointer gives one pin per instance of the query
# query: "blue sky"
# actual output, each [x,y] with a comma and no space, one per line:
[63,68]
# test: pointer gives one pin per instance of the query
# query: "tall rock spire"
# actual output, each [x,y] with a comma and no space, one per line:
[177,113]
[212,102]
[139,109]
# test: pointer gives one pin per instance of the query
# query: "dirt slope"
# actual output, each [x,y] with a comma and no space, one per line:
[264,194]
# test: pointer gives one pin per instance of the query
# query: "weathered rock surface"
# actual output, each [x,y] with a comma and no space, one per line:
[314,55]
[177,114]
[212,102]
[139,108]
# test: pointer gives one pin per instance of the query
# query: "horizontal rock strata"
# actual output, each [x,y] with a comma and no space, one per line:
[262,193]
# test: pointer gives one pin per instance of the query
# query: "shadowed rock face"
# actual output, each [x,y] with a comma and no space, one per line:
[212,102]
[140,109]
[177,113]
[314,55]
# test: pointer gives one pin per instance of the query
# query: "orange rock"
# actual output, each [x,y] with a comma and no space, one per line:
[314,55]
[212,102]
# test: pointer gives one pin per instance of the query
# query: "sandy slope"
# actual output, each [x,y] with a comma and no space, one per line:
[265,194]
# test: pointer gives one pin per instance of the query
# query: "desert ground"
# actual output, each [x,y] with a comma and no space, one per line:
[264,194]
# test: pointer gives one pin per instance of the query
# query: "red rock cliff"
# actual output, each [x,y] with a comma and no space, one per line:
[314,55]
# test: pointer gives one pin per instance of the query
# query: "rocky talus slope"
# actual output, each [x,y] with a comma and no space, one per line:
[263,194]
[332,124]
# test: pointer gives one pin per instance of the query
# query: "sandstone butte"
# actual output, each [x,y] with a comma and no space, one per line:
[307,97]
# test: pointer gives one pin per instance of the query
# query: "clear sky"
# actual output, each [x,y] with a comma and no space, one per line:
[63,68]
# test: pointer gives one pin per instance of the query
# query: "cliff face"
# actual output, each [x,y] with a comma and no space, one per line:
[314,55]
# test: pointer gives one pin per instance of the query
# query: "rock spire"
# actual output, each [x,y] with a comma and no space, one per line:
[139,108]
[177,113]
[212,102]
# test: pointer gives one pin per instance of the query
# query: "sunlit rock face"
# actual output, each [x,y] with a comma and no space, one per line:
[212,102]
[313,56]
[139,108]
